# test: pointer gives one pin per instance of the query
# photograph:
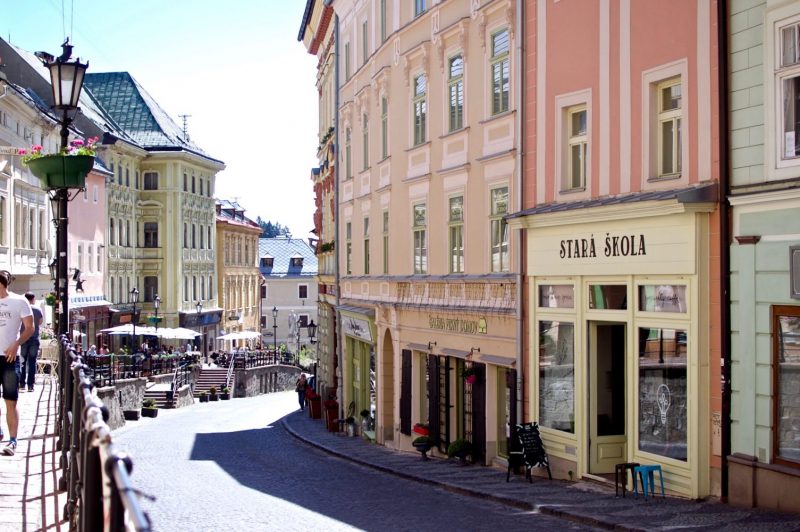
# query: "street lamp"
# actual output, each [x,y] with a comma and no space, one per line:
[134,298]
[66,79]
[198,306]
[311,328]
[156,304]
[274,333]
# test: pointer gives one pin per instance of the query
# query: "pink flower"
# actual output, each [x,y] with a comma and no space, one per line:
[77,143]
[23,152]
[36,149]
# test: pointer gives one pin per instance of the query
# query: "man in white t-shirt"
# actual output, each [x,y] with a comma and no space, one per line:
[16,326]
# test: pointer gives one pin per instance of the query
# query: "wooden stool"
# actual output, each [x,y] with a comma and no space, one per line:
[621,476]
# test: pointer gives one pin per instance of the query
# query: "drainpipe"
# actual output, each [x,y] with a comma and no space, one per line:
[725,239]
[520,188]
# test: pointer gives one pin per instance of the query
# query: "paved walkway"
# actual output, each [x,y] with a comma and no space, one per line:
[28,480]
[587,503]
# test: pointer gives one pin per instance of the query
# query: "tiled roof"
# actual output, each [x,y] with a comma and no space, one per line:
[700,193]
[233,213]
[137,113]
[282,249]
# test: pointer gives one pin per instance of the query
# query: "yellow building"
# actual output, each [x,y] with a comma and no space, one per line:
[427,169]
[238,277]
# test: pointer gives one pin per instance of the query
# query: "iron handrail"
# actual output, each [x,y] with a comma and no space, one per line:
[101,496]
[229,376]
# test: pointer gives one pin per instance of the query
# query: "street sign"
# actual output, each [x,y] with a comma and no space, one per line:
[10,150]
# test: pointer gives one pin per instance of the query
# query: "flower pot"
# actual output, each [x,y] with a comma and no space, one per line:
[471,379]
[62,171]
[203,398]
[421,430]
[351,429]
[423,448]
[224,396]
[131,415]
[213,397]
[149,412]
[315,407]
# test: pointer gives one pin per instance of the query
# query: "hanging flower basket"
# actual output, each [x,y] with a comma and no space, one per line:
[62,171]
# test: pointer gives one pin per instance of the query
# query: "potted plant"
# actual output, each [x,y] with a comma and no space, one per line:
[423,444]
[470,374]
[314,404]
[460,448]
[331,413]
[350,424]
[203,397]
[50,299]
[226,393]
[149,408]
[212,394]
[366,420]
[422,429]
[66,169]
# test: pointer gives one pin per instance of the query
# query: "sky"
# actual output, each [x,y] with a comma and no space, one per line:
[235,66]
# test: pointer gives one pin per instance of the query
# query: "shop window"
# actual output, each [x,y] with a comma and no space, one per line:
[557,375]
[786,375]
[662,298]
[663,392]
[608,297]
[556,296]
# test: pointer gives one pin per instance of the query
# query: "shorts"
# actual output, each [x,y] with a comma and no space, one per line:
[8,379]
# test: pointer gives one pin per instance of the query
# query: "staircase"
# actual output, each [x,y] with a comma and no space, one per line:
[158,392]
[210,377]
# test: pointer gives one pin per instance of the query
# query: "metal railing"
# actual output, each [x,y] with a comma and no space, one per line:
[100,494]
[180,377]
[229,376]
[106,370]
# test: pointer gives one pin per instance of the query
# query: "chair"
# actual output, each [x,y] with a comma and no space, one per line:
[48,357]
[621,477]
[647,477]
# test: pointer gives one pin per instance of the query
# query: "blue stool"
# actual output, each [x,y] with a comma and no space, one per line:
[647,478]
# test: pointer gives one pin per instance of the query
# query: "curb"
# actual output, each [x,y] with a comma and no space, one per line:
[507,501]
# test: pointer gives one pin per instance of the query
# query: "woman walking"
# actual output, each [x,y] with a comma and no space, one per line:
[300,387]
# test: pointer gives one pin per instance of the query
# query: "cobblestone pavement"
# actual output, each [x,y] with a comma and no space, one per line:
[580,502]
[230,465]
[28,498]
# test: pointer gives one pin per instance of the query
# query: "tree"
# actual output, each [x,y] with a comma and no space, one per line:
[270,230]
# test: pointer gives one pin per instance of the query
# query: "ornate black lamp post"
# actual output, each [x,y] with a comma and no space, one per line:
[312,333]
[274,332]
[156,304]
[66,78]
[134,298]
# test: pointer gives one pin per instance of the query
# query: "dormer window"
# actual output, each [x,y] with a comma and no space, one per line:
[297,262]
[267,262]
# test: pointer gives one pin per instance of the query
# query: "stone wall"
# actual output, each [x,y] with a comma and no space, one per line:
[128,394]
[256,381]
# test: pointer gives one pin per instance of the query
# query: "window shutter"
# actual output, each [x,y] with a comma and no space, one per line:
[405,393]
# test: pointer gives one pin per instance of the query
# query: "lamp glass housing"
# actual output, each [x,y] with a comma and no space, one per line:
[67,80]
[274,312]
[156,302]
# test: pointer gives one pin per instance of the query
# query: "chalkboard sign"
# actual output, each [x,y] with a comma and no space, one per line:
[531,449]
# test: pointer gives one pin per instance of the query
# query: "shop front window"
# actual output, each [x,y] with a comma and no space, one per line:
[556,296]
[663,298]
[663,392]
[608,297]
[557,375]
[786,398]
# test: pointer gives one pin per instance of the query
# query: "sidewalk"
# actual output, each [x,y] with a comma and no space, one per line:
[28,480]
[587,503]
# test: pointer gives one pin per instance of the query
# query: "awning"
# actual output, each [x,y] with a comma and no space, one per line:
[498,360]
[76,302]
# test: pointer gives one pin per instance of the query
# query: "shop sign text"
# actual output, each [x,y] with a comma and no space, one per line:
[611,246]
[458,325]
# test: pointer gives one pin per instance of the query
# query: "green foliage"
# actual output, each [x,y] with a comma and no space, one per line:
[149,403]
[270,230]
[226,390]
[459,447]
[422,440]
[365,413]
[213,390]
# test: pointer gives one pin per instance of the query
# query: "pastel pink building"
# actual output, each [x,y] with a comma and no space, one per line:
[620,225]
[88,306]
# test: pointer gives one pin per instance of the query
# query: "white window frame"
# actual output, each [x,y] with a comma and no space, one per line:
[651,81]
[455,115]
[348,231]
[365,245]
[364,141]
[419,108]
[563,103]
[384,127]
[503,59]
[579,140]
[348,154]
[498,226]
[419,238]
[664,116]
[455,235]
[778,165]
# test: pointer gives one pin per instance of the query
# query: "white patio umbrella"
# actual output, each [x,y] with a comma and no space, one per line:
[178,333]
[128,329]
[249,334]
[230,336]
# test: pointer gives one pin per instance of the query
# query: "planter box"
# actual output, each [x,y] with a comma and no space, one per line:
[62,171]
[203,398]
[315,408]
[213,397]
[149,412]
[131,415]
[224,396]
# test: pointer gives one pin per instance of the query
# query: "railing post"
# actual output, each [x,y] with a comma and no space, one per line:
[91,507]
[75,434]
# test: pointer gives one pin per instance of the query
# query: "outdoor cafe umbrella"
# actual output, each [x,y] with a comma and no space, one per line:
[178,333]
[128,329]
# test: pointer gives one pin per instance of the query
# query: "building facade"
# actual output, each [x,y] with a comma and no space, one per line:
[289,291]
[427,170]
[317,32]
[238,276]
[764,166]
[621,225]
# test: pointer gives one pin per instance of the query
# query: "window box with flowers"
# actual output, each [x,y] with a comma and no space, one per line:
[65,169]
[470,374]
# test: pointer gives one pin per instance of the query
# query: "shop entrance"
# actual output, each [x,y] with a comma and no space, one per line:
[607,440]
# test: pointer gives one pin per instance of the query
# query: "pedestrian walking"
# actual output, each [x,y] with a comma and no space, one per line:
[300,388]
[16,326]
[30,349]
